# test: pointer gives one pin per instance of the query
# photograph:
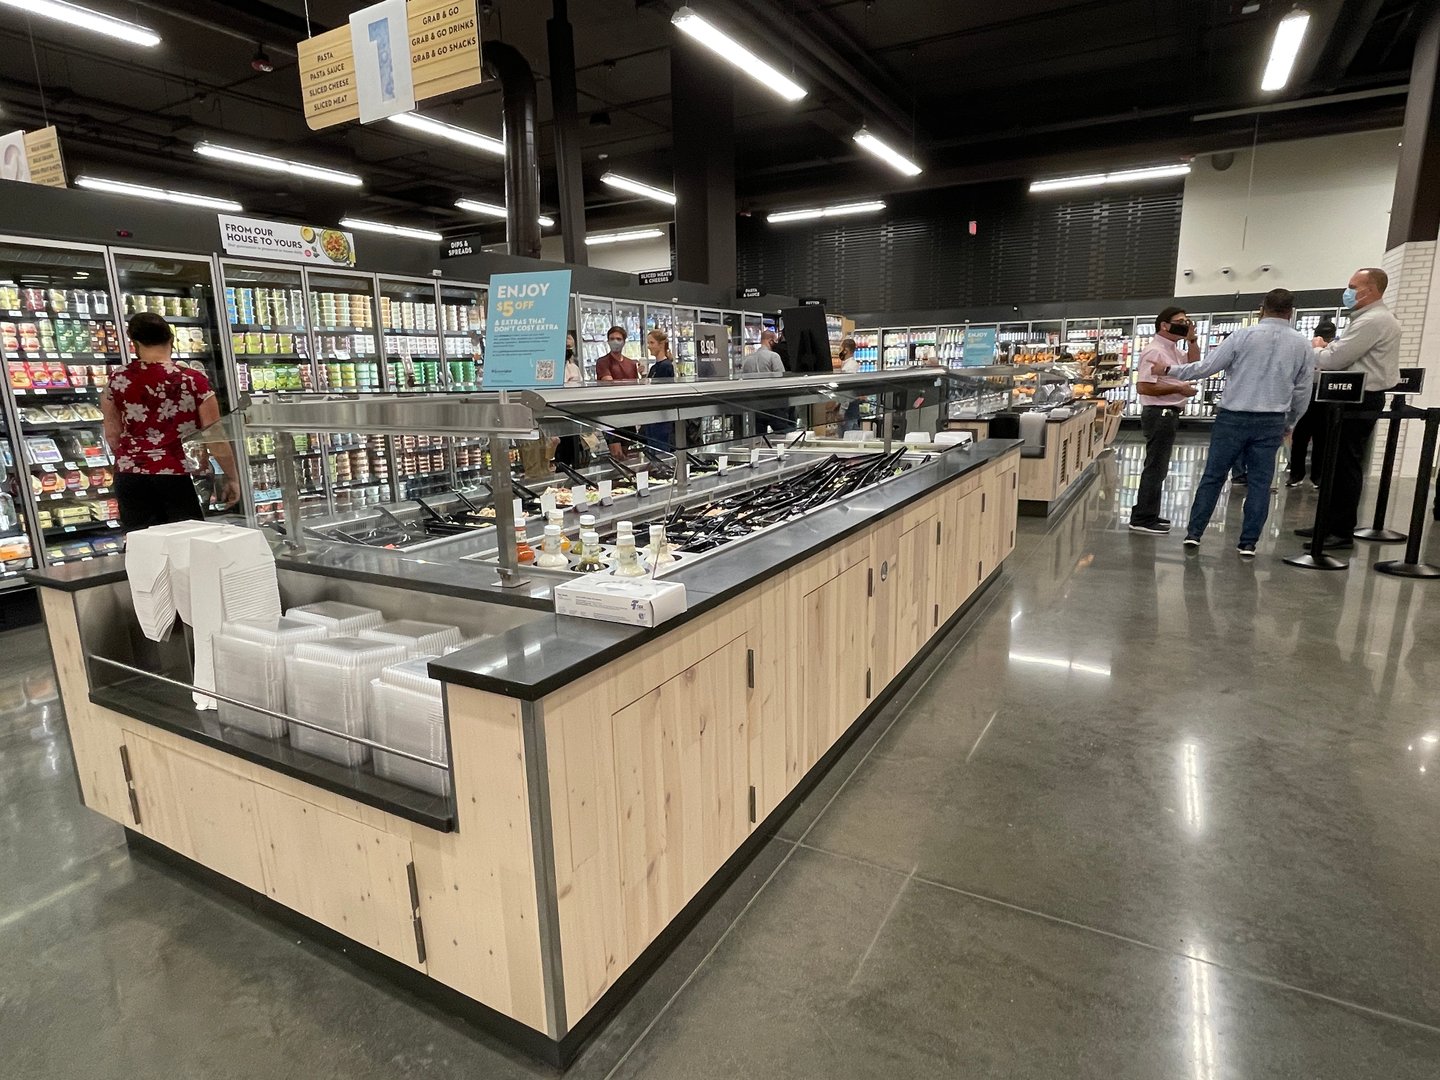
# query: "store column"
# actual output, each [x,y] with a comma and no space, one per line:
[702,103]
[1414,293]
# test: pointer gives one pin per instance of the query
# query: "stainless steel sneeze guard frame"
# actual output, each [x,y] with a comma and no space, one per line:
[437,414]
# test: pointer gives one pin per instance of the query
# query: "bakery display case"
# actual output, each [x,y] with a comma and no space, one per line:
[60,339]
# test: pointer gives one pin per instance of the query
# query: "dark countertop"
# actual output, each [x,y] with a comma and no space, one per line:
[78,576]
[536,659]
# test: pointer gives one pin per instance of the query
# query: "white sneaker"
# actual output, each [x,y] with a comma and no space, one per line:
[1151,530]
[1192,542]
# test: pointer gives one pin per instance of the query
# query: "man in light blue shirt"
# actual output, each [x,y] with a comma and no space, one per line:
[1270,369]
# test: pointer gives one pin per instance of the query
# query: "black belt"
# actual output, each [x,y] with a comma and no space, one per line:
[1166,408]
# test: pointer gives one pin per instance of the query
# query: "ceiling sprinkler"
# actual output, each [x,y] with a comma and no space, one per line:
[261,62]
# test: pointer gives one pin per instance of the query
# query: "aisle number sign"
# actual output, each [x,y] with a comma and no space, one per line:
[979,347]
[525,342]
[364,71]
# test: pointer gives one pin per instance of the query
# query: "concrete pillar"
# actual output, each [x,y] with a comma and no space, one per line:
[702,102]
[1414,293]
[564,106]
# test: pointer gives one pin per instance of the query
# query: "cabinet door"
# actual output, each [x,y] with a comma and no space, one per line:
[965,557]
[341,873]
[834,664]
[885,613]
[683,785]
[1009,499]
[196,809]
[913,588]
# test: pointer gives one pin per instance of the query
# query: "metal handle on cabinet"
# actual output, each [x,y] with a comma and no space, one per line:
[750,668]
[867,684]
[130,783]
[415,913]
[937,534]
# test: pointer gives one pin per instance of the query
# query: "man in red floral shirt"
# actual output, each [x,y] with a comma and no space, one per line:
[151,407]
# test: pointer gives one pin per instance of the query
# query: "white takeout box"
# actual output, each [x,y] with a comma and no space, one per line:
[232,577]
[157,564]
[633,601]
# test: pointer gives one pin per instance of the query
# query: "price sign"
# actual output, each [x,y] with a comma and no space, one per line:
[547,502]
[606,497]
[642,482]
[754,456]
[578,498]
[723,464]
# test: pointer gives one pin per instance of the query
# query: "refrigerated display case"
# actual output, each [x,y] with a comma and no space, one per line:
[595,317]
[266,311]
[682,342]
[631,317]
[895,348]
[347,339]
[731,321]
[60,341]
[410,330]
[462,311]
[17,548]
[753,326]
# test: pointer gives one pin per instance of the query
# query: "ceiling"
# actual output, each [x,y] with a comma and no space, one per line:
[980,91]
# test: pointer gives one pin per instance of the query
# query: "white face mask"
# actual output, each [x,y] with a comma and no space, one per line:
[616,346]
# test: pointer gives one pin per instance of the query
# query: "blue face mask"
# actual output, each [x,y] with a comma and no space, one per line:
[1349,298]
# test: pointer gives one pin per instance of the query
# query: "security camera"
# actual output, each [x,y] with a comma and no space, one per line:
[1227,271]
[1189,273]
[1265,268]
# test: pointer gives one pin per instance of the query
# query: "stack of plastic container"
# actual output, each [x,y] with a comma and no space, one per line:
[250,663]
[419,638]
[328,683]
[339,620]
[407,712]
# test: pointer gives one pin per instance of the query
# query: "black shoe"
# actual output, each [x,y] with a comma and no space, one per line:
[1337,543]
[1306,533]
[1165,521]
[1242,480]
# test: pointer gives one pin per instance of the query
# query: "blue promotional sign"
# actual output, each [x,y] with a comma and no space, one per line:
[525,332]
[979,347]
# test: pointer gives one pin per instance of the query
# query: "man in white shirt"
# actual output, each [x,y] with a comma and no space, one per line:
[1370,343]
[1161,399]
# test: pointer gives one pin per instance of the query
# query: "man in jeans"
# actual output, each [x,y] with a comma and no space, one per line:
[1161,398]
[1270,370]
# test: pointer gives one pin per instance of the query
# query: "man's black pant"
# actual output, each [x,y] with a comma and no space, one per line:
[1159,423]
[1352,450]
[1309,435]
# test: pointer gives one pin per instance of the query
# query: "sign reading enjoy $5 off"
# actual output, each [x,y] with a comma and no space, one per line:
[525,338]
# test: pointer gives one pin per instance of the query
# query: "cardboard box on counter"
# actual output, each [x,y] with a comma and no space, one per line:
[632,601]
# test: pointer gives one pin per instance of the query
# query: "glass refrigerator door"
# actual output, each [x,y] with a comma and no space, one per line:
[732,322]
[462,310]
[596,316]
[867,350]
[265,309]
[61,342]
[682,341]
[410,330]
[629,315]
[895,348]
[342,310]
[1307,319]
[17,547]
[751,326]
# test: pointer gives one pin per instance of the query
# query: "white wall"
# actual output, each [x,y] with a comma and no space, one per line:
[628,258]
[1319,208]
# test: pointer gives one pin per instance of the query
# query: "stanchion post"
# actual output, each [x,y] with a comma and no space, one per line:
[1378,533]
[1411,566]
[1333,390]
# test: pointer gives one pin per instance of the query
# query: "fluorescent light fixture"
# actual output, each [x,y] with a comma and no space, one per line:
[274,164]
[361,225]
[635,187]
[475,206]
[887,154]
[84,19]
[727,48]
[595,239]
[843,210]
[1124,176]
[144,191]
[1284,50]
[463,136]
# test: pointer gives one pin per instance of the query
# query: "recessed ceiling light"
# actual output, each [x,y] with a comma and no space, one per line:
[144,191]
[495,210]
[596,239]
[267,163]
[361,225]
[83,18]
[1124,176]
[1284,51]
[635,187]
[727,48]
[842,210]
[464,136]
[887,154]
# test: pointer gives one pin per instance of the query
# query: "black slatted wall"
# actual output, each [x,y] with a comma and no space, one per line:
[918,253]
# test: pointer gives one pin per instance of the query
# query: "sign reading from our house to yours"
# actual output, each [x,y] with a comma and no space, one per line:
[525,340]
[281,240]
[345,72]
[1345,387]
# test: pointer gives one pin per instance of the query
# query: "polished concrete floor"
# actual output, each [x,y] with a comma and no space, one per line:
[1142,815]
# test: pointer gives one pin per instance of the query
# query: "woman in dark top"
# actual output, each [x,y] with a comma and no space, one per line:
[662,369]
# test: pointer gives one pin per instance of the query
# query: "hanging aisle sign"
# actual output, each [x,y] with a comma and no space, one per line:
[525,338]
[370,68]
[279,240]
[42,149]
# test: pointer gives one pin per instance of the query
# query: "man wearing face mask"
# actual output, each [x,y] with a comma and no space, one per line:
[615,366]
[1161,398]
[1370,343]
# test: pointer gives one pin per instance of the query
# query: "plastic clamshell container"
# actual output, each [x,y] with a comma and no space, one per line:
[339,620]
[408,713]
[328,684]
[250,658]
[419,638]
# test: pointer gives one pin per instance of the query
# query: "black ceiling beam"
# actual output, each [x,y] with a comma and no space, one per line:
[1351,27]
[244,20]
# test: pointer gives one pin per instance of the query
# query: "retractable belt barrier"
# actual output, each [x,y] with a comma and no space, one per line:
[1411,566]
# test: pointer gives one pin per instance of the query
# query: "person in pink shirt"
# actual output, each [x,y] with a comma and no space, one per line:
[1161,399]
